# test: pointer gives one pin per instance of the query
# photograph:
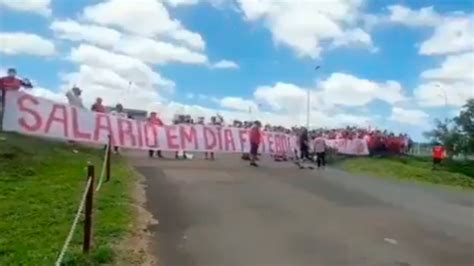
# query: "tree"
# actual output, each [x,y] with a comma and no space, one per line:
[457,134]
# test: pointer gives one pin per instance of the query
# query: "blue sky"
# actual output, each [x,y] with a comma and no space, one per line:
[388,64]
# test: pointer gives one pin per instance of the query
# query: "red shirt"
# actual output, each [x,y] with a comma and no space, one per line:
[99,108]
[255,135]
[12,84]
[438,152]
[155,121]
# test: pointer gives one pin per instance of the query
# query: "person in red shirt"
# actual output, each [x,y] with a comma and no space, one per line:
[98,107]
[255,136]
[10,83]
[438,155]
[155,120]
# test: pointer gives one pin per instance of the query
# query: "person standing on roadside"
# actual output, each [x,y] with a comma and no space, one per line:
[438,155]
[155,121]
[319,146]
[304,144]
[119,112]
[255,137]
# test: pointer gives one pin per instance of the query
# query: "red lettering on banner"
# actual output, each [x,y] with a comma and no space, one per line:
[138,124]
[188,137]
[243,139]
[75,127]
[147,128]
[22,101]
[270,142]
[208,132]
[229,139]
[219,137]
[58,109]
[99,126]
[127,131]
[171,137]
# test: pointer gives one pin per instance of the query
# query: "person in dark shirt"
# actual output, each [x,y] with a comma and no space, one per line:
[304,144]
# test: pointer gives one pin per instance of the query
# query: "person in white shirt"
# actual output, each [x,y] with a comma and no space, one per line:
[74,97]
[118,111]
[319,146]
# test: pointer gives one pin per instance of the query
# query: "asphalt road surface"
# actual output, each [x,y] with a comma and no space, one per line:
[226,213]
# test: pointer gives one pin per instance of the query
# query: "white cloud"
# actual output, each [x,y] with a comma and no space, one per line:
[147,18]
[458,67]
[41,7]
[225,64]
[282,96]
[436,94]
[127,67]
[13,43]
[306,25]
[450,84]
[345,89]
[425,16]
[47,94]
[355,37]
[157,52]
[97,35]
[452,36]
[237,103]
[409,116]
[176,3]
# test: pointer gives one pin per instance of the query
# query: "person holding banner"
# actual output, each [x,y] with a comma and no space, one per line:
[156,121]
[10,83]
[98,107]
[118,111]
[255,138]
[319,146]
[74,97]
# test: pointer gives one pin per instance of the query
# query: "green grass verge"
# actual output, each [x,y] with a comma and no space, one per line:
[453,173]
[41,184]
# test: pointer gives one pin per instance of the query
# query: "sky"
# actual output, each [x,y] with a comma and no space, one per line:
[395,65]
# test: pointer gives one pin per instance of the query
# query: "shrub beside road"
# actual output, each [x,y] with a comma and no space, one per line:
[41,183]
[454,173]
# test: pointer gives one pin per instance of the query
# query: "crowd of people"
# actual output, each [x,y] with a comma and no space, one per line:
[379,142]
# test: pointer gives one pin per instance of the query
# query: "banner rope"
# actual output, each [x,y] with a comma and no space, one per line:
[74,224]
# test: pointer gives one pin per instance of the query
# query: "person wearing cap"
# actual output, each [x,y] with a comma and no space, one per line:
[255,136]
[74,97]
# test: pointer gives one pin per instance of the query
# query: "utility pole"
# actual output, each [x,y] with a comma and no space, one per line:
[308,103]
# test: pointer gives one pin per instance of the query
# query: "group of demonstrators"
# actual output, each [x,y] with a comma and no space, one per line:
[312,143]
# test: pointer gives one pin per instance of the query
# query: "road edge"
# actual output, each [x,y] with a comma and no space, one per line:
[136,247]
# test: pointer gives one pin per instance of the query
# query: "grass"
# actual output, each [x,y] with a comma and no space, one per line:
[452,173]
[41,183]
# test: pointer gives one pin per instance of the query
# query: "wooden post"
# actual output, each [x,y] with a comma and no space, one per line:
[88,210]
[108,160]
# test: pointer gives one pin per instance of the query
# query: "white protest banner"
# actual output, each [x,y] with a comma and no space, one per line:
[32,115]
[349,146]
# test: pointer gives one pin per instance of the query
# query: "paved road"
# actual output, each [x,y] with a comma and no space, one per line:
[225,213]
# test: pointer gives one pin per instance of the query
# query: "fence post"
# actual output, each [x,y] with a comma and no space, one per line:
[88,211]
[107,164]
